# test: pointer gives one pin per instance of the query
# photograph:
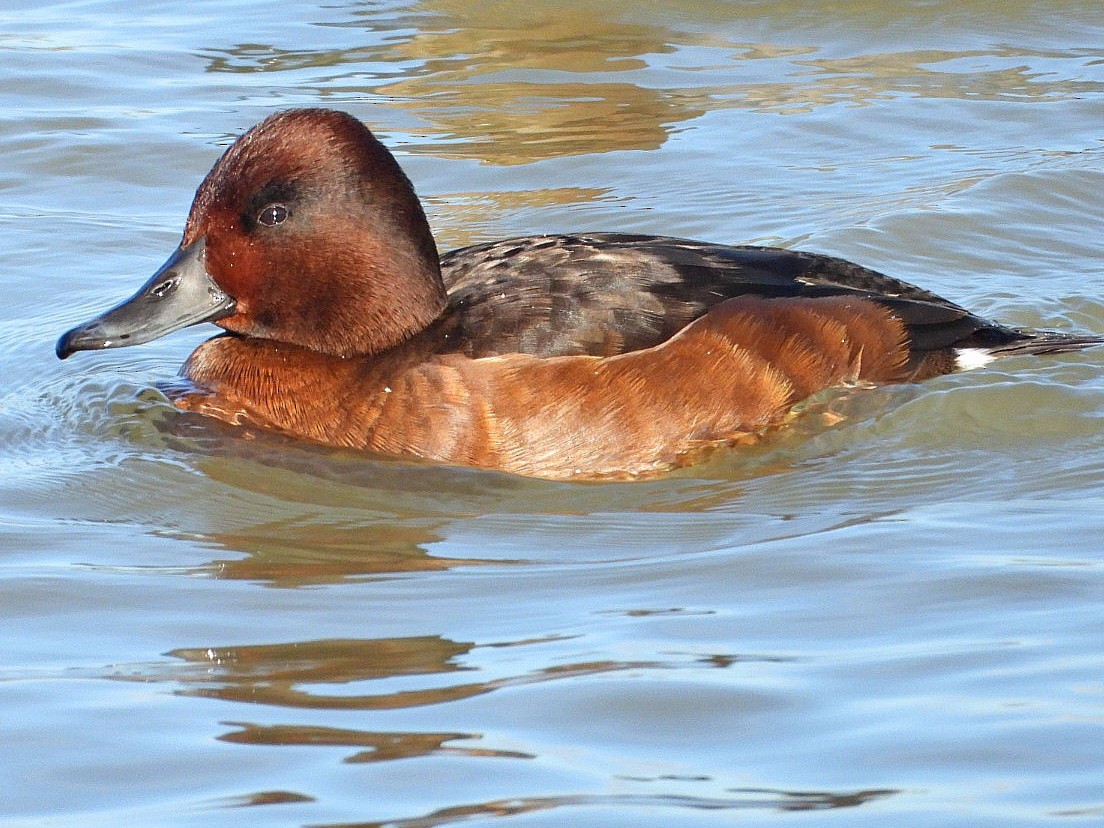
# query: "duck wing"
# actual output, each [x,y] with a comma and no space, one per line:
[607,293]
[602,294]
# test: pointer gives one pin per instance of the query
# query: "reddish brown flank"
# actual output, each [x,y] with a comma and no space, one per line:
[591,355]
[625,415]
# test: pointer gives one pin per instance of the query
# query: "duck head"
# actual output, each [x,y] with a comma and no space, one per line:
[306,231]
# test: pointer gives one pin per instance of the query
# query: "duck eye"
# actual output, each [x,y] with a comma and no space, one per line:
[273,214]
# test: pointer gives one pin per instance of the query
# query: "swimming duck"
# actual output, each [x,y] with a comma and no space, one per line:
[590,355]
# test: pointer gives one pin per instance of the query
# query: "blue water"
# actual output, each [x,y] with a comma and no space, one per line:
[888,615]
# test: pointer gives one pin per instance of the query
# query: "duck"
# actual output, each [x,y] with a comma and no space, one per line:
[580,356]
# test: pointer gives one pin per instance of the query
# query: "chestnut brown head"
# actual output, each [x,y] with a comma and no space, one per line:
[306,231]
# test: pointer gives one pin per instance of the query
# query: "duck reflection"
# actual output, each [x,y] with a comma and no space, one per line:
[290,675]
[381,746]
[296,554]
[742,800]
[277,674]
[280,674]
[304,515]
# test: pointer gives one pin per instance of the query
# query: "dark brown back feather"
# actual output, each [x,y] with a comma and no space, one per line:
[604,293]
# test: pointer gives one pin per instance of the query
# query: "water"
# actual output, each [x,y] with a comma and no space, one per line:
[895,619]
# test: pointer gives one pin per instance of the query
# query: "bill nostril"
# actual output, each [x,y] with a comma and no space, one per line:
[165,288]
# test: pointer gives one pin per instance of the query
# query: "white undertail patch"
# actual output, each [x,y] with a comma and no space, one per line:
[967,359]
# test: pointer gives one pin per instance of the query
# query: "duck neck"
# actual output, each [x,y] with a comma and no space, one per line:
[405,297]
[384,290]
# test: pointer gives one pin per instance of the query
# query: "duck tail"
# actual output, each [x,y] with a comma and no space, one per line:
[997,343]
[1046,342]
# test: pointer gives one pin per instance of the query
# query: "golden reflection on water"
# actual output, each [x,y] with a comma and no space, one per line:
[470,213]
[520,83]
[928,74]
[510,84]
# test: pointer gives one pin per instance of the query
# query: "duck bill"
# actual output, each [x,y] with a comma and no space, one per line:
[180,293]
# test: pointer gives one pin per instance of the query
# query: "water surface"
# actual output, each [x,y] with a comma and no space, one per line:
[895,619]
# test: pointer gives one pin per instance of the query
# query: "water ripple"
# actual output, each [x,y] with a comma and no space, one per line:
[742,799]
